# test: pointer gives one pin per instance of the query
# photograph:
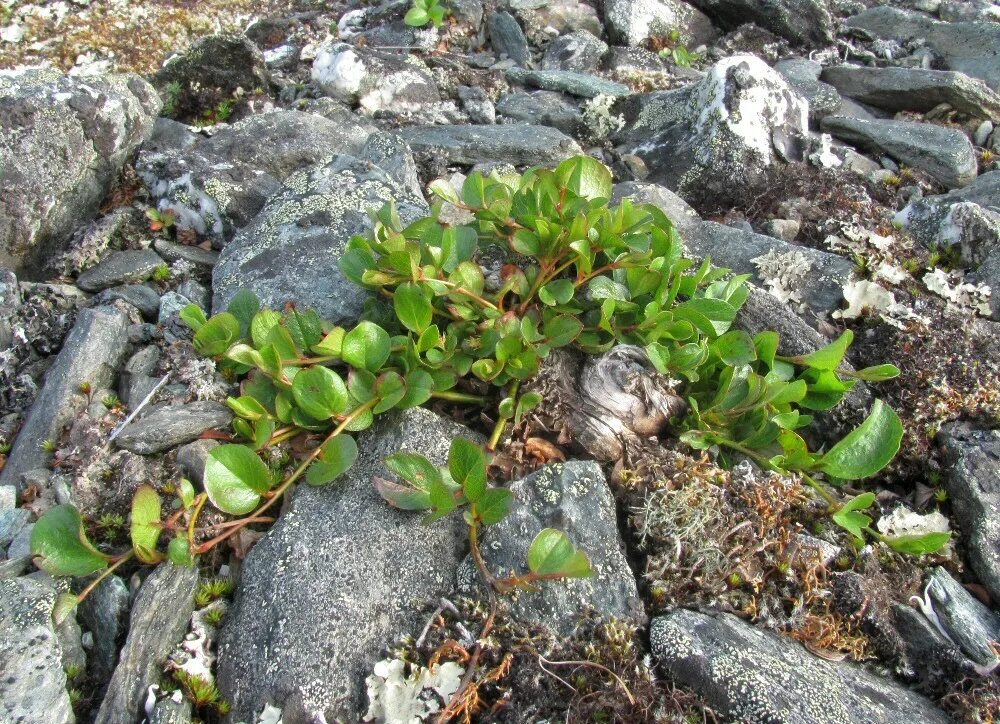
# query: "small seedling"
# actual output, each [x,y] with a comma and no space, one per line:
[111,401]
[215,616]
[49,445]
[426,11]
[209,591]
[161,273]
[161,220]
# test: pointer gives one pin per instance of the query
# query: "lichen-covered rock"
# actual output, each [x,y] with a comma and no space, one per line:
[516,143]
[804,22]
[340,576]
[684,218]
[580,51]
[507,38]
[631,22]
[540,17]
[973,483]
[716,137]
[804,77]
[104,613]
[541,108]
[290,251]
[584,85]
[167,427]
[92,353]
[160,617]
[914,89]
[33,684]
[575,498]
[120,267]
[63,141]
[964,617]
[216,185]
[754,676]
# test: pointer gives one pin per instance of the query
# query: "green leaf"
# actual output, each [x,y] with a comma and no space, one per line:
[493,505]
[525,404]
[336,458]
[413,306]
[193,316]
[179,553]
[361,385]
[552,553]
[561,330]
[711,316]
[332,343]
[416,17]
[320,392]
[442,501]
[851,520]
[602,287]
[391,389]
[235,479]
[556,292]
[217,335]
[879,373]
[735,348]
[66,603]
[185,491]
[467,465]
[244,305]
[261,325]
[247,407]
[918,545]
[61,545]
[414,469]
[367,346]
[866,449]
[399,496]
[830,356]
[146,528]
[419,386]
[585,176]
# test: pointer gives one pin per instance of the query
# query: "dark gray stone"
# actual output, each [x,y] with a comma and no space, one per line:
[11,522]
[970,48]
[167,427]
[574,498]
[160,617]
[973,483]
[632,22]
[542,108]
[339,550]
[515,143]
[804,22]
[140,296]
[10,301]
[803,76]
[580,51]
[33,685]
[914,89]
[630,60]
[390,153]
[91,353]
[926,655]
[220,183]
[191,458]
[193,254]
[750,675]
[168,711]
[684,218]
[290,252]
[62,143]
[966,620]
[20,547]
[944,153]
[477,104]
[119,268]
[583,85]
[715,138]
[103,612]
[507,37]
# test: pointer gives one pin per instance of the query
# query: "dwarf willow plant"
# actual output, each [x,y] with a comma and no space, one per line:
[581,272]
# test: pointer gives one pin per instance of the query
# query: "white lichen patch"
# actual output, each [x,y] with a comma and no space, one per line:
[903,521]
[959,293]
[399,698]
[599,121]
[339,71]
[864,295]
[784,274]
[824,157]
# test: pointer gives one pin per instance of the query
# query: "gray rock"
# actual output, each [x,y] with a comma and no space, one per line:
[563,16]
[631,60]
[191,458]
[965,619]
[103,612]
[219,184]
[14,567]
[583,85]
[171,304]
[542,108]
[477,104]
[804,22]
[515,143]
[390,153]
[580,51]
[926,655]
[804,78]
[144,362]
[196,292]
[167,427]
[193,254]
[91,353]
[11,522]
[822,286]
[342,550]
[10,301]
[91,126]
[20,546]
[143,298]
[119,268]
[678,210]
[8,498]
[290,252]
[719,136]
[969,48]
[955,11]
[507,37]
[973,483]
[160,617]
[70,638]
[632,22]
[168,711]
[574,498]
[750,675]
[33,685]
[944,153]
[914,89]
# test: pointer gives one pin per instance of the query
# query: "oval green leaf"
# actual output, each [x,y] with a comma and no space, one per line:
[61,546]
[336,458]
[367,346]
[235,478]
[866,449]
[146,529]
[320,392]
[412,306]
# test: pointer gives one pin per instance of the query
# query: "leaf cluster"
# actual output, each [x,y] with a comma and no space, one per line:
[422,12]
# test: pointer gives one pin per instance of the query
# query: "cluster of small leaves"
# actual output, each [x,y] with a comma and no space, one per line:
[422,12]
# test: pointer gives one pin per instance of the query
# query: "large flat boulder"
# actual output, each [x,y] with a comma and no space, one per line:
[516,143]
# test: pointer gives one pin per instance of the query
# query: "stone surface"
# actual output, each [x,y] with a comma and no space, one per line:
[966,620]
[33,685]
[804,78]
[973,483]
[91,353]
[575,498]
[160,617]
[290,251]
[542,108]
[914,89]
[103,612]
[581,51]
[507,38]
[194,254]
[119,268]
[168,711]
[11,523]
[583,85]
[516,143]
[167,427]
[216,185]
[718,136]
[969,48]
[631,22]
[339,550]
[684,218]
[944,153]
[750,675]
[62,142]
[804,22]
[192,458]
[143,298]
